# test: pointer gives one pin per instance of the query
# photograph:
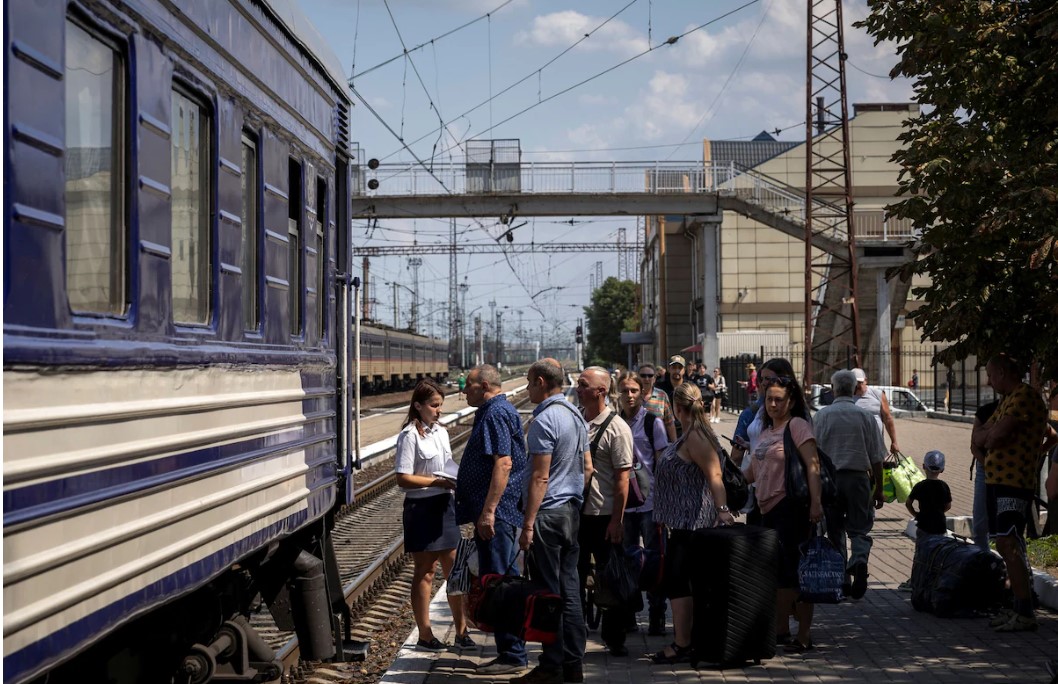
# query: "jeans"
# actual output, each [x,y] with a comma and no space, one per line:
[552,562]
[980,510]
[593,543]
[852,515]
[497,555]
[641,527]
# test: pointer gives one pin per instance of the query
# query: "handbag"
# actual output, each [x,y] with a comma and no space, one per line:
[515,605]
[618,583]
[735,483]
[888,486]
[797,478]
[905,476]
[821,570]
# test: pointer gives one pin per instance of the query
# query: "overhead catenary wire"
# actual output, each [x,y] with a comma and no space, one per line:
[425,43]
[671,41]
[535,72]
[711,109]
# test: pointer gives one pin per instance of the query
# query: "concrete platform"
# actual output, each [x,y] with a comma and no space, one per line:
[878,639]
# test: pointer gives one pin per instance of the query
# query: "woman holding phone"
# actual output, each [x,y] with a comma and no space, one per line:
[430,530]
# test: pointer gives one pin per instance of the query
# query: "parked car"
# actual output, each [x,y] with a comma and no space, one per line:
[901,399]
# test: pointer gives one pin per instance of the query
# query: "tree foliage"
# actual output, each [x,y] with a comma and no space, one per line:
[612,308]
[979,173]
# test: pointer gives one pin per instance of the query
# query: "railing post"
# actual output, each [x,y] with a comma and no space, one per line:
[572,176]
[613,180]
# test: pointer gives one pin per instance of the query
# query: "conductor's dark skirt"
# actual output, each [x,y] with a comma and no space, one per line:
[430,524]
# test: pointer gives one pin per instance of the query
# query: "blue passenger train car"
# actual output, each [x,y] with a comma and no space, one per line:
[174,410]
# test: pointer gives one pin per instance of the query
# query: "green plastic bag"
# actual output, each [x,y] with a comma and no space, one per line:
[905,475]
[888,487]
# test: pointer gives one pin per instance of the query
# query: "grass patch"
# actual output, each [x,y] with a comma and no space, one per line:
[1043,552]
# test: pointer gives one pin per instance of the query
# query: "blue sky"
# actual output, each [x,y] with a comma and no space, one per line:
[731,79]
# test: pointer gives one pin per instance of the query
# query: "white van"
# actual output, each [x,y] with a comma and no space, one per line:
[901,399]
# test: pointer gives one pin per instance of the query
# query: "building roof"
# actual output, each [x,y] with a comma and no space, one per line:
[291,16]
[746,153]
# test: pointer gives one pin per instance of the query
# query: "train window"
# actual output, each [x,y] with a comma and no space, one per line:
[192,249]
[96,238]
[294,255]
[250,311]
[321,257]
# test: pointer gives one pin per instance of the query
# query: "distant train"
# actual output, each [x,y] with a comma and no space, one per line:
[177,184]
[393,360]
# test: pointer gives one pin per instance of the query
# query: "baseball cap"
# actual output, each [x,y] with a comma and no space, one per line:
[860,375]
[678,360]
[934,460]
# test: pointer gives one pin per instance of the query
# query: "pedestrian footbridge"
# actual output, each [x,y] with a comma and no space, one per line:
[392,191]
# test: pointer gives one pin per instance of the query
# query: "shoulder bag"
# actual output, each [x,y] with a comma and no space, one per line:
[797,478]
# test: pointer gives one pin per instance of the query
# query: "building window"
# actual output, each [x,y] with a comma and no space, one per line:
[321,258]
[96,229]
[294,255]
[250,310]
[192,249]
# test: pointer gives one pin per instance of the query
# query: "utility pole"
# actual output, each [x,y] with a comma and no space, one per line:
[499,339]
[622,265]
[479,341]
[463,287]
[453,301]
[492,315]
[395,309]
[414,263]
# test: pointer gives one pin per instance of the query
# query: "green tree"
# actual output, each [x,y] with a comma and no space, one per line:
[979,171]
[613,307]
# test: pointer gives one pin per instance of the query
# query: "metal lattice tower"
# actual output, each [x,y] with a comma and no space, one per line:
[453,301]
[414,263]
[832,331]
[622,261]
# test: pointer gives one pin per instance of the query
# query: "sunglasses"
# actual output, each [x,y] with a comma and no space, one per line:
[646,376]
[780,381]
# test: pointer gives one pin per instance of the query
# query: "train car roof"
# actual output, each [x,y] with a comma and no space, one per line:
[289,13]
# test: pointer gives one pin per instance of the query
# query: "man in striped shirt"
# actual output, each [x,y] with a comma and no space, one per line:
[656,401]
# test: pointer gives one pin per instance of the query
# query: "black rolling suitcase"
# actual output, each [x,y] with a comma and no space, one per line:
[734,578]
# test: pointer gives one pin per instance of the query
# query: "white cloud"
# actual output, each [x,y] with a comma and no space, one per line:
[562,29]
[598,100]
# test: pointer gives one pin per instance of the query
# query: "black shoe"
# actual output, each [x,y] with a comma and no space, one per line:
[859,580]
[433,645]
[464,641]
[574,674]
[619,650]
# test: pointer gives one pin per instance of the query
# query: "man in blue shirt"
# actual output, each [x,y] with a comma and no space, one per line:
[489,485]
[554,492]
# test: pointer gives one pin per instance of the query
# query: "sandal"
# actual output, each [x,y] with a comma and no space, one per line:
[680,654]
[795,646]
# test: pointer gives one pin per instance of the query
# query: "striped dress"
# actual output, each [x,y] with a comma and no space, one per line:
[682,497]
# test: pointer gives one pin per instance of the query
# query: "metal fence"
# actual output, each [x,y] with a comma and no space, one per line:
[957,389]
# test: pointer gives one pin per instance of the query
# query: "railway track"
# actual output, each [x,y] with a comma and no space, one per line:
[375,572]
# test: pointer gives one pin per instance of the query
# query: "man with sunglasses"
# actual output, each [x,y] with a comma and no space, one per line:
[656,401]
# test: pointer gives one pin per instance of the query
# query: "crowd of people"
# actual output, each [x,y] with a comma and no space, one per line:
[559,491]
